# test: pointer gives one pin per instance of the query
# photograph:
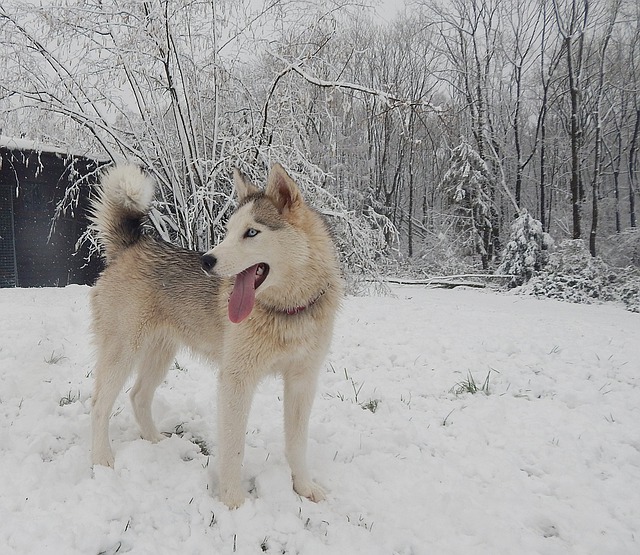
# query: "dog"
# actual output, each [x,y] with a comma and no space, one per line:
[263,301]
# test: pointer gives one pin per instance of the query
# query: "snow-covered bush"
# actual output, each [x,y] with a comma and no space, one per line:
[627,291]
[573,275]
[621,249]
[527,251]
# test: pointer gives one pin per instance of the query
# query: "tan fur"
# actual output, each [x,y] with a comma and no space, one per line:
[154,297]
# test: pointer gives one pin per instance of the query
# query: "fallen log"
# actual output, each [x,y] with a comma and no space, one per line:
[461,280]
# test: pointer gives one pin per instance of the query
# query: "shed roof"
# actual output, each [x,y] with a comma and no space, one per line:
[14,143]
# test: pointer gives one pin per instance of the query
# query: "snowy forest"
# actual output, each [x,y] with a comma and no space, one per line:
[433,137]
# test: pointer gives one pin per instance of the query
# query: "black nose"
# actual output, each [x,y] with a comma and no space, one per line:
[208,261]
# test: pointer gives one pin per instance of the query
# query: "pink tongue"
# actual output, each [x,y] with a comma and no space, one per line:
[243,295]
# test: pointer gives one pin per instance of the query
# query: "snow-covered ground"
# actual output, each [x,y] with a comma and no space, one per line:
[548,462]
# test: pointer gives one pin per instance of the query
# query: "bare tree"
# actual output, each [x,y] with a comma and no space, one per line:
[549,60]
[527,23]
[597,117]
[633,67]
[365,113]
[137,77]
[572,17]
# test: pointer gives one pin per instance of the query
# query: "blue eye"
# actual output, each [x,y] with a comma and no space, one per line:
[251,232]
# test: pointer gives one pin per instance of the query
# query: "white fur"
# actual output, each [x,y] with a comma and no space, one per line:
[129,187]
[153,298]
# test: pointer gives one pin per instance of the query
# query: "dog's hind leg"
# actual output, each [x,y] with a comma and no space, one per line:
[299,392]
[153,365]
[110,373]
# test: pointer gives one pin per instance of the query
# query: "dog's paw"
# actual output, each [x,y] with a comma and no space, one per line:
[310,490]
[103,459]
[232,498]
[153,436]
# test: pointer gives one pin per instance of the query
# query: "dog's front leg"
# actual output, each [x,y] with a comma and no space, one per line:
[235,393]
[299,392]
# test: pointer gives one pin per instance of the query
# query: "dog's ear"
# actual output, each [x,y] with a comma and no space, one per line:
[282,189]
[243,186]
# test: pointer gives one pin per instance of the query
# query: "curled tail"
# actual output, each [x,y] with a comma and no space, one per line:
[119,211]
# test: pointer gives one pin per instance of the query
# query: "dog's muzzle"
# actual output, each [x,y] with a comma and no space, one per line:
[208,262]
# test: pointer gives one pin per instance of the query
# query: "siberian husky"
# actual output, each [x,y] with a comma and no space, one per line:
[262,301]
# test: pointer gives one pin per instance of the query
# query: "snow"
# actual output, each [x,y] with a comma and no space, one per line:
[547,462]
[14,143]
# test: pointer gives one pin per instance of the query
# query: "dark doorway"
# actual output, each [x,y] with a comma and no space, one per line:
[38,249]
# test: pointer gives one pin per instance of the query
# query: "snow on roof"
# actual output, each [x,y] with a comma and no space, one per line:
[14,143]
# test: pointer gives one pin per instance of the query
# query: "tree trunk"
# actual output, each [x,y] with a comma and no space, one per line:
[594,219]
[633,160]
[543,169]
[516,136]
[597,159]
[575,138]
[411,196]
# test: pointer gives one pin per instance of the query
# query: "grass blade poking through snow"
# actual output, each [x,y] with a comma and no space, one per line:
[469,385]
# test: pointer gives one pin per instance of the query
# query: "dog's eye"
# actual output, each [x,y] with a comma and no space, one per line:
[251,232]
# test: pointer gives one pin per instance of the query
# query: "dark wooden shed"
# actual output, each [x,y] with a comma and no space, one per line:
[38,242]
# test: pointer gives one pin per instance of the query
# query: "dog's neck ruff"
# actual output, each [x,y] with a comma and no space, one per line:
[299,309]
[293,310]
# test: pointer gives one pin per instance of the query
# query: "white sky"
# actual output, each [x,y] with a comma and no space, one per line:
[388,9]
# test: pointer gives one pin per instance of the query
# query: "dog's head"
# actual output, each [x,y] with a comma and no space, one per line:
[264,245]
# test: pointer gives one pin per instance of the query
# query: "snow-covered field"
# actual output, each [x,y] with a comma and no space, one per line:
[547,462]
